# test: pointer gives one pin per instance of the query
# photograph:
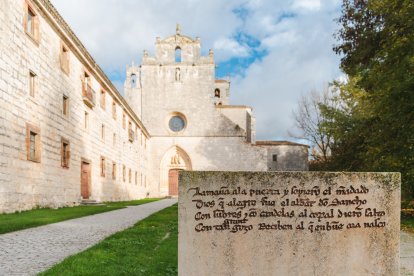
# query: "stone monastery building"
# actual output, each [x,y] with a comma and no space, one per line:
[67,134]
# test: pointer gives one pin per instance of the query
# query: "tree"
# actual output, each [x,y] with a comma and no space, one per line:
[310,121]
[376,40]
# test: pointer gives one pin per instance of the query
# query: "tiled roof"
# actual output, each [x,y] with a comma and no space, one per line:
[279,143]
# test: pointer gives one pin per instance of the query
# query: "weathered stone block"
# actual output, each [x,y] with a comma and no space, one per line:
[289,223]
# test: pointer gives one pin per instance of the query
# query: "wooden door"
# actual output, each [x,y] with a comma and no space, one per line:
[173,182]
[85,177]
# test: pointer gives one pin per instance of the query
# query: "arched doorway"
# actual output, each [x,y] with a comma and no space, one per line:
[173,161]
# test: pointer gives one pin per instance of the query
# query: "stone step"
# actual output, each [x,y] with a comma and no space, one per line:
[90,202]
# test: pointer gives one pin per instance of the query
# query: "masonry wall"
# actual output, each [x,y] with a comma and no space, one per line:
[26,184]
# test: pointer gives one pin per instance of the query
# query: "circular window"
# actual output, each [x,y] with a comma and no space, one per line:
[176,123]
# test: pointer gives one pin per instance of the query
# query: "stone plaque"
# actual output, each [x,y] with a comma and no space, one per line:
[288,223]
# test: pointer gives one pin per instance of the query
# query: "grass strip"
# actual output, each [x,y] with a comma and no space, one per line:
[131,202]
[43,216]
[150,247]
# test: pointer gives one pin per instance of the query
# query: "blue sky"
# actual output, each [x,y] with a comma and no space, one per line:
[272,51]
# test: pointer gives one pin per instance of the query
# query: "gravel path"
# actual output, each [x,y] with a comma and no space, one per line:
[30,251]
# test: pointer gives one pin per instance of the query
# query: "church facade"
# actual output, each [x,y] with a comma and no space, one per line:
[68,135]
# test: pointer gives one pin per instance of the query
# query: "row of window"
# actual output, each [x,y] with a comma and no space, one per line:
[33,154]
[31,25]
[124,172]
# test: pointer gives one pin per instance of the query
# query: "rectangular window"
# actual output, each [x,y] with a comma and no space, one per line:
[65,106]
[32,83]
[114,110]
[129,176]
[123,173]
[88,93]
[136,178]
[123,121]
[103,132]
[114,140]
[64,58]
[86,122]
[33,143]
[65,153]
[274,157]
[113,170]
[103,102]
[131,134]
[102,166]
[31,23]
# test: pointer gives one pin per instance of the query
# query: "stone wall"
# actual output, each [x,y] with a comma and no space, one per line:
[26,184]
[288,223]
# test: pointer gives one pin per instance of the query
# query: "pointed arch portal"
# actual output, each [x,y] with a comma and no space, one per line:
[173,161]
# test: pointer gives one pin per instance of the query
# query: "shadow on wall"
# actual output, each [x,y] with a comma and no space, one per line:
[230,154]
[289,158]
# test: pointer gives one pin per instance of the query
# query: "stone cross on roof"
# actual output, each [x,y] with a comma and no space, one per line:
[178,29]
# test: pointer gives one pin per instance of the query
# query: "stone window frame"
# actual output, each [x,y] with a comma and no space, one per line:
[32,83]
[30,128]
[114,109]
[123,120]
[217,93]
[133,82]
[170,117]
[102,166]
[103,132]
[178,54]
[102,99]
[86,121]
[64,58]
[65,106]
[113,171]
[130,176]
[65,153]
[33,33]
[136,178]
[123,173]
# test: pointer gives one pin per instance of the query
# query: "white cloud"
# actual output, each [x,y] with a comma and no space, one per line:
[296,34]
[307,4]
[226,47]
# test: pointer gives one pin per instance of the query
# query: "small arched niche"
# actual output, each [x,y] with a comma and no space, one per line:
[217,93]
[133,80]
[177,54]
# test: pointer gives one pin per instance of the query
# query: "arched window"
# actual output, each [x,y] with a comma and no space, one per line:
[133,80]
[217,93]
[178,54]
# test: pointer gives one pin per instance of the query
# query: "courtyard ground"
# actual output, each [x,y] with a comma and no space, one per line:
[33,250]
[148,248]
[42,216]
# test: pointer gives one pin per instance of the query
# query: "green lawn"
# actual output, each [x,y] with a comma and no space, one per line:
[407,222]
[147,248]
[37,217]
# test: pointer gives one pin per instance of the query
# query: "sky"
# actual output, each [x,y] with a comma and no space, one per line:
[272,51]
